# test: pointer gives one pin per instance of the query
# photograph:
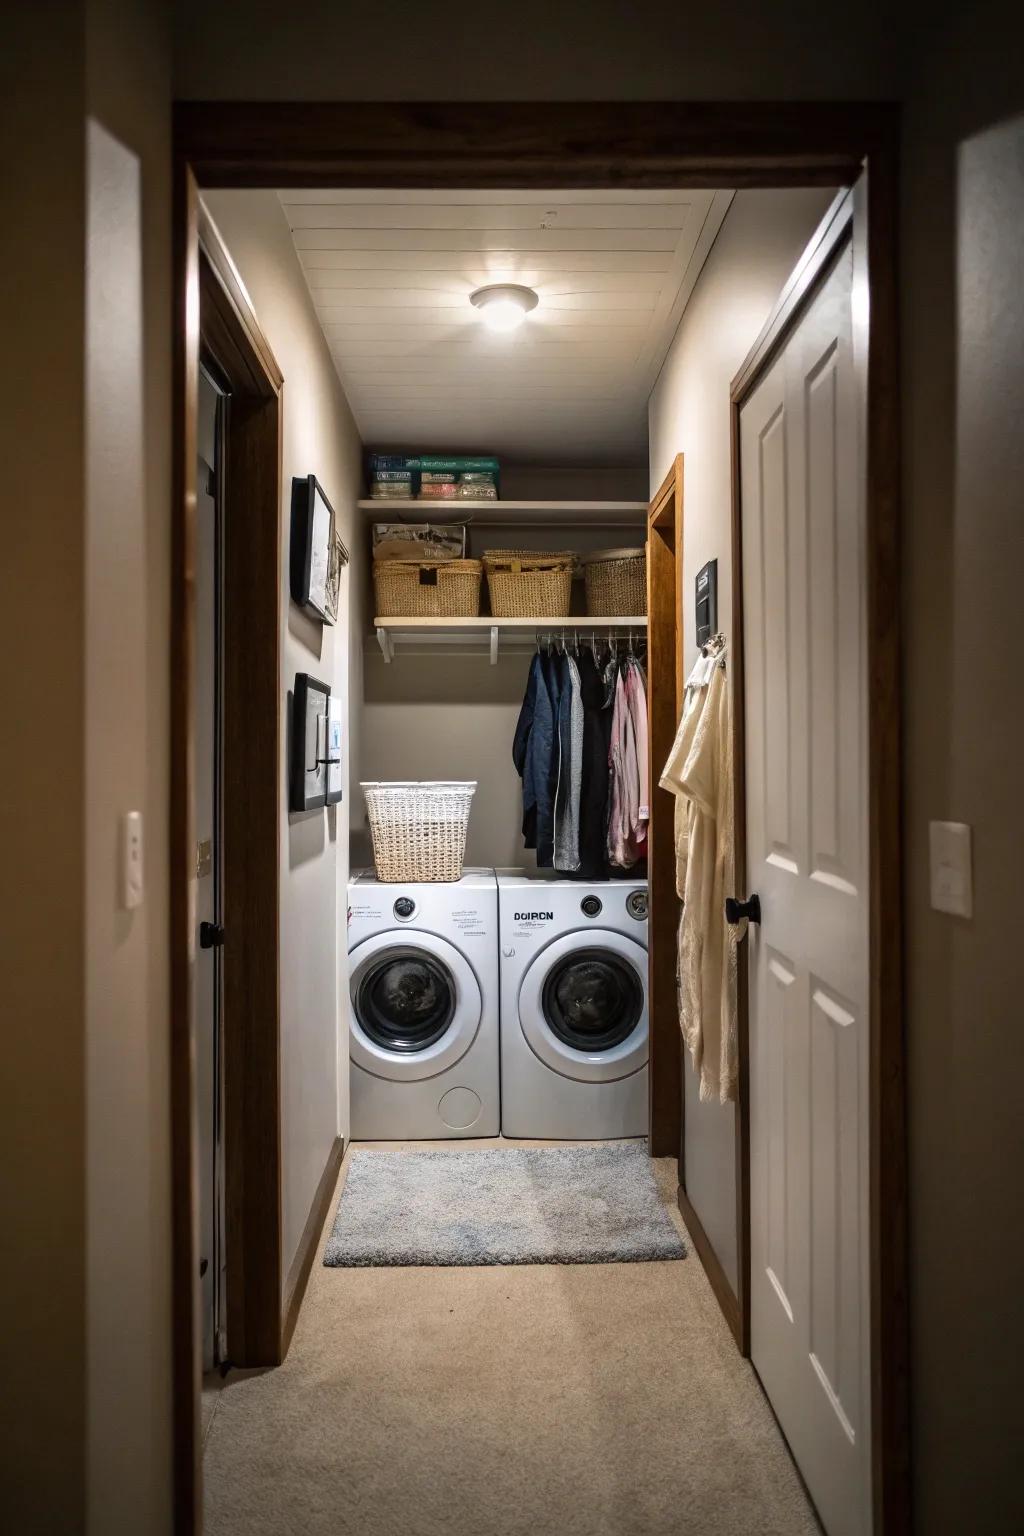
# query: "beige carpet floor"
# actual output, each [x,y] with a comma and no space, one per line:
[589,1400]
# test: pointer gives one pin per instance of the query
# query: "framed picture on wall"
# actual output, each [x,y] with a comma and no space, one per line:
[338,560]
[312,546]
[310,736]
[334,749]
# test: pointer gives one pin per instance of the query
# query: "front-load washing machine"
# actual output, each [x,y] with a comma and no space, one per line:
[423,1023]
[573,1007]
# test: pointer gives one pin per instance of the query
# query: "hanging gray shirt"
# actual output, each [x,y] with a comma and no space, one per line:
[567,801]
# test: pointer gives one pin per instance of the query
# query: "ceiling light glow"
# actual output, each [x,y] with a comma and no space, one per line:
[504,306]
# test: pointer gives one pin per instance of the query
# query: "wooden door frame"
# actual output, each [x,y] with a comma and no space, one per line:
[234,348]
[665,651]
[664,699]
[228,342]
[575,145]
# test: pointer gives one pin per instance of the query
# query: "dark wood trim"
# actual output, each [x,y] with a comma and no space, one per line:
[495,144]
[890,1304]
[186,1306]
[233,344]
[664,538]
[302,1264]
[543,144]
[739,737]
[724,1294]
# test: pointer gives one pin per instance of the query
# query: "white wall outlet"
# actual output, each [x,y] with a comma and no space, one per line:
[131,860]
[950,849]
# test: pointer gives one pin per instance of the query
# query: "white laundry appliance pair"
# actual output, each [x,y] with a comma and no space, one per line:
[546,977]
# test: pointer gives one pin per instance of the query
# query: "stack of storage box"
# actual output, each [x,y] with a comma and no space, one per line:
[392,475]
[434,477]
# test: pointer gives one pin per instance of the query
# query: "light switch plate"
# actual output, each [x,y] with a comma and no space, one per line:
[131,860]
[950,850]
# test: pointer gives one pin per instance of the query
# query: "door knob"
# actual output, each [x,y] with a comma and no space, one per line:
[736,911]
[211,935]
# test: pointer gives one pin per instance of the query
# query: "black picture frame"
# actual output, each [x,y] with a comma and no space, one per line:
[335,725]
[336,564]
[309,757]
[312,547]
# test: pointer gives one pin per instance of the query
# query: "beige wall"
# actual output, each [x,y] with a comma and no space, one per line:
[127,590]
[319,438]
[963,305]
[42,682]
[83,650]
[438,716]
[582,50]
[756,249]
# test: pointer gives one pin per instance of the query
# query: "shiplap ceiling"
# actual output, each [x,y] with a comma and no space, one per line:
[391,273]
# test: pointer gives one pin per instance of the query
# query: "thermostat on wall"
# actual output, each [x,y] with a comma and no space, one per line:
[706,601]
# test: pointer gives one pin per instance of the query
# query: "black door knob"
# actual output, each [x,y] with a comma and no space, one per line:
[211,935]
[736,910]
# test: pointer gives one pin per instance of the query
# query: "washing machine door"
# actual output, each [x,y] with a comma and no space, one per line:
[416,1005]
[583,1005]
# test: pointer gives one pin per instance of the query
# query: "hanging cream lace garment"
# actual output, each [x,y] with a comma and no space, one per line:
[699,774]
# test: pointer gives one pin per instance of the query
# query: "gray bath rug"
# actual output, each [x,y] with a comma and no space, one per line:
[502,1205]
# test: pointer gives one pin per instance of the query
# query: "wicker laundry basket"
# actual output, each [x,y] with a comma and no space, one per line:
[427,589]
[418,829]
[529,583]
[616,581]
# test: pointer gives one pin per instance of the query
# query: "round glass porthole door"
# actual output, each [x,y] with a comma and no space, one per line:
[405,1000]
[583,1006]
[415,1006]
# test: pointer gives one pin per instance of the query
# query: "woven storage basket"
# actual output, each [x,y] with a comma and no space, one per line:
[418,829]
[529,583]
[427,589]
[616,581]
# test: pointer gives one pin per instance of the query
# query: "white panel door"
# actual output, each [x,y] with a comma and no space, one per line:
[802,479]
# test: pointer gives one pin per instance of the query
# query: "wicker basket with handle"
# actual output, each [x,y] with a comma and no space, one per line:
[418,828]
[427,589]
[616,582]
[529,583]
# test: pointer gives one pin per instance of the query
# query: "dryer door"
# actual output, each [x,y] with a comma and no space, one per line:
[583,1006]
[416,1005]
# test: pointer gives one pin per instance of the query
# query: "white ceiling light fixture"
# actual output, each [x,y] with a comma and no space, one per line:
[504,306]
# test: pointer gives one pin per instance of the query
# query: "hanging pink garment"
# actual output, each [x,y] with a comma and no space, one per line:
[636,698]
[627,826]
[618,790]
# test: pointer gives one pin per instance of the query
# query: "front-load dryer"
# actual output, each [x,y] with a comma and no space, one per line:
[423,1022]
[574,1032]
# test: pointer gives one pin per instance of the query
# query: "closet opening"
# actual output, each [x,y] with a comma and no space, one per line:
[535,586]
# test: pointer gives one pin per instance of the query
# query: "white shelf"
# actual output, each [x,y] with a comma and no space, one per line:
[488,633]
[526,514]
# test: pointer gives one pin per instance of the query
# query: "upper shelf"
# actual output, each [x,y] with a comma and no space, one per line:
[489,633]
[538,514]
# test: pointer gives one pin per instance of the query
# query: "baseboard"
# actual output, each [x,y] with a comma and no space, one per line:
[724,1293]
[298,1275]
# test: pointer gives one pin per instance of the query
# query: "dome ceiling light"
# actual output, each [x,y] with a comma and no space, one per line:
[504,306]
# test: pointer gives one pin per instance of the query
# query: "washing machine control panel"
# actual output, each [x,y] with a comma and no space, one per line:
[404,908]
[636,905]
[590,906]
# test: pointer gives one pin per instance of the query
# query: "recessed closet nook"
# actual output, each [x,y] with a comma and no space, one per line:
[489,401]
